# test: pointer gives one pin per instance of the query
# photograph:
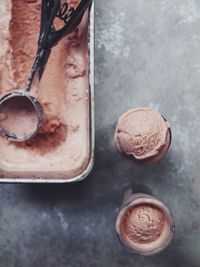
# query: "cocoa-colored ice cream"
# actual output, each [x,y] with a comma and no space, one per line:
[62,147]
[142,135]
[144,225]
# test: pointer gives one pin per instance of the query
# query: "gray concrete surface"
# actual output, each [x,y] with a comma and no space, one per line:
[147,54]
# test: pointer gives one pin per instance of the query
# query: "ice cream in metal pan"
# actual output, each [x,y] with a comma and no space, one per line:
[62,150]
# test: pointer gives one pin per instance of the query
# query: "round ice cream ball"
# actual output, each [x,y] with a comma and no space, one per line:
[143,224]
[142,135]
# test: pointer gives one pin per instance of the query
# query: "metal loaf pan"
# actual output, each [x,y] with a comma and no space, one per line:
[87,170]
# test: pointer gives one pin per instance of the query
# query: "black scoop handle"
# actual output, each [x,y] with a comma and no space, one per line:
[49,36]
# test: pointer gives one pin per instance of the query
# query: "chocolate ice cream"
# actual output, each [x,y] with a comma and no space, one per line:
[62,147]
[142,135]
[143,224]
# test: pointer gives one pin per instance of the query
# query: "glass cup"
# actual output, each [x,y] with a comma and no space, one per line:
[144,224]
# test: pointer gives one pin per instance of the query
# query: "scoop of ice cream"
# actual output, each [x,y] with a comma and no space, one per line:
[143,224]
[142,133]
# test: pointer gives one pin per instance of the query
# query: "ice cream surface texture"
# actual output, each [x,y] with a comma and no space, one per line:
[61,149]
[142,135]
[143,224]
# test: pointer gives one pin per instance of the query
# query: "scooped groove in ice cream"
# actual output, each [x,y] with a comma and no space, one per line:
[144,225]
[142,135]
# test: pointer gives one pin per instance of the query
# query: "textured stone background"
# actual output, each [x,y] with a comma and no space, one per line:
[147,54]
